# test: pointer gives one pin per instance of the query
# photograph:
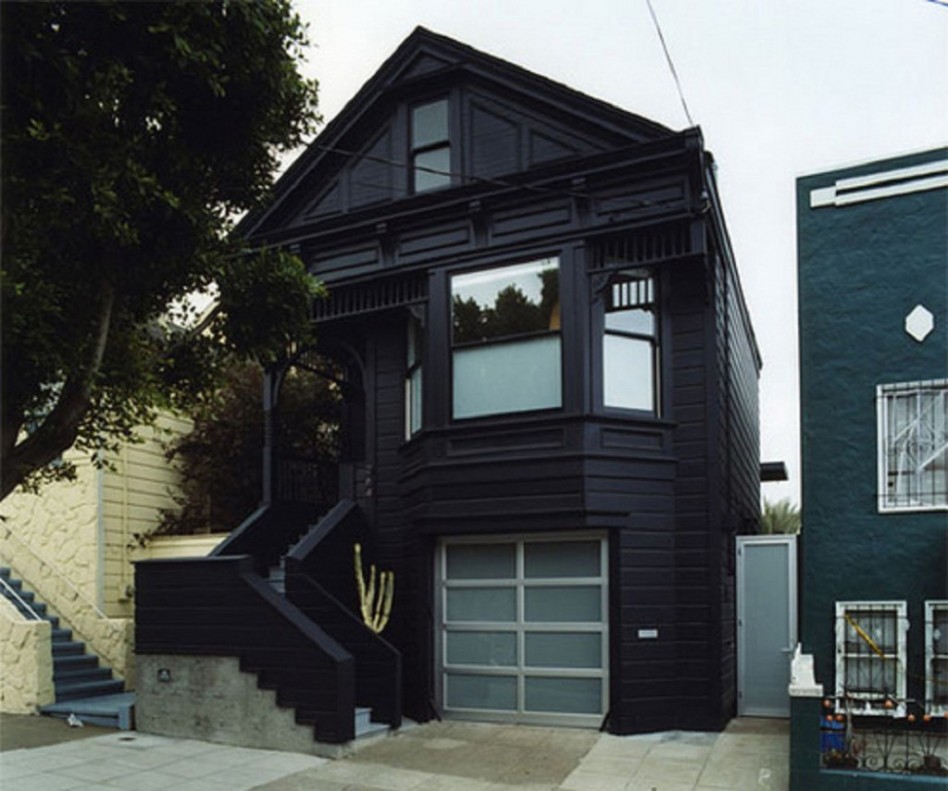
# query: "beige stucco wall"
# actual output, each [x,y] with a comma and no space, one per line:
[26,662]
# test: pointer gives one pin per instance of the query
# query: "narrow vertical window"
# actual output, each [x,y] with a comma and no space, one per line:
[913,445]
[430,146]
[413,377]
[630,342]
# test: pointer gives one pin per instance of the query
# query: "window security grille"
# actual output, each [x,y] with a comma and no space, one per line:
[913,445]
[870,657]
[936,657]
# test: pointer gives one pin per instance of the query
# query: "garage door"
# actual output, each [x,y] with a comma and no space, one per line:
[523,629]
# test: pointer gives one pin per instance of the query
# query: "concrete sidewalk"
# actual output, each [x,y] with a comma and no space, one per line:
[751,754]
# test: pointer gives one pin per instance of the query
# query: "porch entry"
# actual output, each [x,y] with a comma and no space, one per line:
[766,623]
[523,629]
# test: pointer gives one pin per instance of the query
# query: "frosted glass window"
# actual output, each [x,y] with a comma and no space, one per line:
[566,604]
[507,377]
[481,692]
[482,561]
[561,559]
[494,649]
[567,695]
[630,342]
[628,373]
[563,649]
[482,604]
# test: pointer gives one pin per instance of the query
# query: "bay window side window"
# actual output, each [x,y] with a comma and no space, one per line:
[414,376]
[506,351]
[630,342]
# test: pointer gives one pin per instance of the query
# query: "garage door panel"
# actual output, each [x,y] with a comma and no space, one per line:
[523,633]
[563,604]
[495,649]
[564,695]
[482,604]
[551,560]
[563,649]
[469,691]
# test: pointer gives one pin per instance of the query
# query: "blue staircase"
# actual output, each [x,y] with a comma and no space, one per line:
[82,687]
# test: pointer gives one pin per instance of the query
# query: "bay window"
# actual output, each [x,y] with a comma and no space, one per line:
[506,353]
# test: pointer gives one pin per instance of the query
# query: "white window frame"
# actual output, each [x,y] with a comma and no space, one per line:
[868,703]
[938,437]
[931,607]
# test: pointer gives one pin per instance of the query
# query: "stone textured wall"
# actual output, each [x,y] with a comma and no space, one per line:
[209,698]
[74,542]
[26,662]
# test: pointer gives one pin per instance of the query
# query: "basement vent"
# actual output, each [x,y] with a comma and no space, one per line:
[643,246]
[371,296]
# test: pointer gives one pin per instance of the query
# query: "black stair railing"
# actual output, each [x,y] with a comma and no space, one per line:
[320,581]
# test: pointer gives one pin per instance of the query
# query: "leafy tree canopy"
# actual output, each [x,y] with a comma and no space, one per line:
[779,517]
[133,135]
[219,459]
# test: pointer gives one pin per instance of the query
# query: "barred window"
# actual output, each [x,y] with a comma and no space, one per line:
[913,445]
[936,657]
[870,656]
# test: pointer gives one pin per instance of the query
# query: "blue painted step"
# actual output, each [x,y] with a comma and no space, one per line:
[81,686]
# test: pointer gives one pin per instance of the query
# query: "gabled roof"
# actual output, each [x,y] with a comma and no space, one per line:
[424,59]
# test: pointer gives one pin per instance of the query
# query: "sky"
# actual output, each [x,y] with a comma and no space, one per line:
[780,89]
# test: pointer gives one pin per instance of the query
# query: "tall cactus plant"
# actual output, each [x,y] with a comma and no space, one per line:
[375,602]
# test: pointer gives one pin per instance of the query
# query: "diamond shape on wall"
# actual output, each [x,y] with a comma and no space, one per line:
[919,323]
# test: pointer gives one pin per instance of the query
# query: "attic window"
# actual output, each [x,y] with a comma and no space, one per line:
[430,146]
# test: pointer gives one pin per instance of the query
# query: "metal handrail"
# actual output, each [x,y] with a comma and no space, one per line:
[11,592]
[52,566]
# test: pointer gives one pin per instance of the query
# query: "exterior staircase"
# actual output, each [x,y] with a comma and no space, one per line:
[82,687]
[276,577]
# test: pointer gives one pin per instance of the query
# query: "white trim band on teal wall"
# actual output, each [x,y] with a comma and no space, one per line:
[885,184]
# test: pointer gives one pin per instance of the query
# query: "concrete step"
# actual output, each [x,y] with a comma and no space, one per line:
[364,725]
[109,711]
[88,689]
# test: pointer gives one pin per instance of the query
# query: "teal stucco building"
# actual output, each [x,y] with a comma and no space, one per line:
[870,680]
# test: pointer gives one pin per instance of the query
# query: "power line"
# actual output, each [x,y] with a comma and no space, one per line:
[466,178]
[671,65]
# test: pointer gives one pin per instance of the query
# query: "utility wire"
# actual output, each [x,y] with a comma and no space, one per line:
[471,179]
[671,65]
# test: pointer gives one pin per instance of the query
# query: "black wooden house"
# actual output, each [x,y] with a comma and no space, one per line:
[552,420]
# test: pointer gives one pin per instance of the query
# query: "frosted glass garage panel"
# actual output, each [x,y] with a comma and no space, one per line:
[564,604]
[481,692]
[494,649]
[564,649]
[482,604]
[507,377]
[564,695]
[481,561]
[569,559]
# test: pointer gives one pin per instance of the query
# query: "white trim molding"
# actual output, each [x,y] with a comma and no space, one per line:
[884,184]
